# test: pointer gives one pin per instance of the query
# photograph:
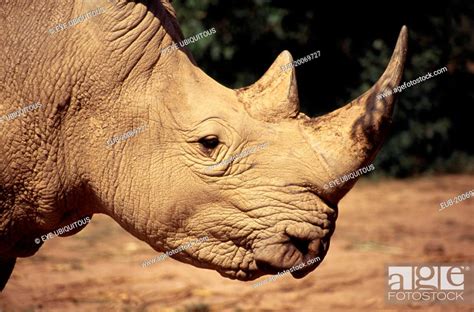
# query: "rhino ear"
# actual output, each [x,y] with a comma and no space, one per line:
[275,95]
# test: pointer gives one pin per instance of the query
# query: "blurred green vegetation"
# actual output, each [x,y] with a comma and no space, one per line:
[432,130]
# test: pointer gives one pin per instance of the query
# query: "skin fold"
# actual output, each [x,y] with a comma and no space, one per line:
[262,213]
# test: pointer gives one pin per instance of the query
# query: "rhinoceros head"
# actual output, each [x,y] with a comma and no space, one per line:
[247,169]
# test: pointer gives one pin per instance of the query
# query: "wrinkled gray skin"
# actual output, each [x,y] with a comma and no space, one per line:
[262,213]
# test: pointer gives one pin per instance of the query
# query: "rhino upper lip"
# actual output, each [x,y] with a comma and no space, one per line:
[254,273]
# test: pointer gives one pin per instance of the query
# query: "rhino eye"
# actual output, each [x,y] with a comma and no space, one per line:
[209,142]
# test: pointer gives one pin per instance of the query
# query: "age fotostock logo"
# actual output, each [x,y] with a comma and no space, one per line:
[429,283]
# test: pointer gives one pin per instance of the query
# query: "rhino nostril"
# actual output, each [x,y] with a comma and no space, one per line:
[301,244]
[298,244]
[305,238]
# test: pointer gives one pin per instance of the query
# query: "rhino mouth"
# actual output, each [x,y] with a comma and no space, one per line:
[298,257]
[272,243]
[274,266]
[240,274]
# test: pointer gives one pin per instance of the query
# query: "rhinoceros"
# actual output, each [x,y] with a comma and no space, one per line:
[261,213]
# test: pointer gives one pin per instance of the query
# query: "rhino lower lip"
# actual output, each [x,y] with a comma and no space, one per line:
[301,273]
[237,274]
[305,270]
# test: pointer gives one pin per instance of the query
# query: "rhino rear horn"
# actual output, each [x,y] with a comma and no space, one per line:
[275,95]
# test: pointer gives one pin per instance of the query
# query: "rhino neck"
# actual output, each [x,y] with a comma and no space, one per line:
[133,34]
[79,75]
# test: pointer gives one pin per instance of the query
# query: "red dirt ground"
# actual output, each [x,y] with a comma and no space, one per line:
[388,222]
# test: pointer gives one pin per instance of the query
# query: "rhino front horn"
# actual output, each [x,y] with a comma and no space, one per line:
[348,138]
[275,95]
